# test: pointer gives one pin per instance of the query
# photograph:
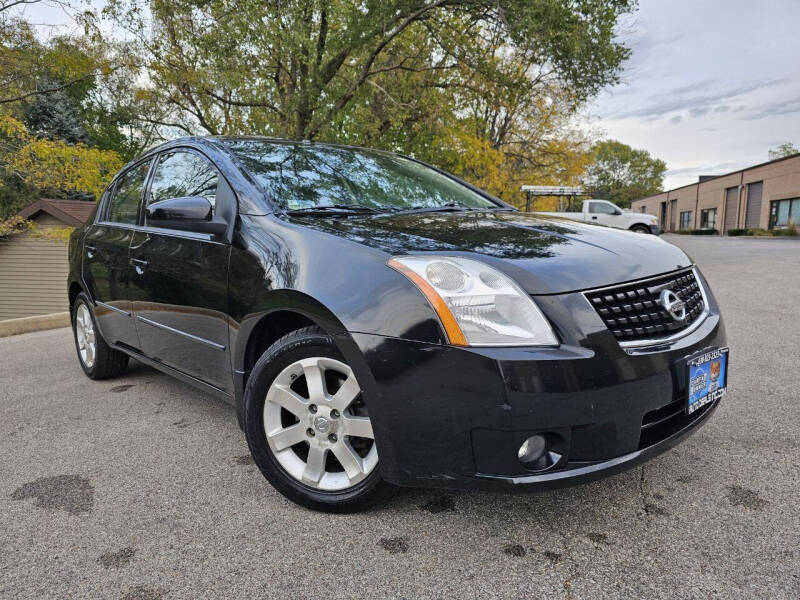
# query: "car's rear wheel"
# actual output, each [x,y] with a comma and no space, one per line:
[308,427]
[98,360]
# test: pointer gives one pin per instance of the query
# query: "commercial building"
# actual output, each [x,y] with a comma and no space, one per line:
[764,196]
[33,269]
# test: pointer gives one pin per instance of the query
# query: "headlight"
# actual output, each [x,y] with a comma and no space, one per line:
[477,305]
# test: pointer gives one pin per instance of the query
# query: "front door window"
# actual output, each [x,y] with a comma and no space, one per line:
[183,173]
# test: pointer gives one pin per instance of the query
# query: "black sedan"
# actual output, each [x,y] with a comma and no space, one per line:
[377,322]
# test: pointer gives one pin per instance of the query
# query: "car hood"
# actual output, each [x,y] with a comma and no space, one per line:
[545,255]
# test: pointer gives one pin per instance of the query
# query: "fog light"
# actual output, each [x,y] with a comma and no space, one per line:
[532,450]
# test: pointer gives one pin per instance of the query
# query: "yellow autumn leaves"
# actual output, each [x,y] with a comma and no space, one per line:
[55,164]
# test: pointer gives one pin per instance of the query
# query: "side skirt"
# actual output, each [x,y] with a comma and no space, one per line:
[202,385]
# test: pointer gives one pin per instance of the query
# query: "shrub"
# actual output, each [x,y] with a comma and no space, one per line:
[735,232]
[791,228]
[703,232]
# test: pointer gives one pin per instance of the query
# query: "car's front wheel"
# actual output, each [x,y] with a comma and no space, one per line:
[640,229]
[308,427]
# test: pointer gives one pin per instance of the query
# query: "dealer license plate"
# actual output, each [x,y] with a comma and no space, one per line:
[708,378]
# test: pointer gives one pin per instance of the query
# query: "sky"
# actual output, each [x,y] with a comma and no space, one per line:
[711,87]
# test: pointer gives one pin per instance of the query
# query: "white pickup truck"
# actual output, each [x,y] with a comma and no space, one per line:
[607,213]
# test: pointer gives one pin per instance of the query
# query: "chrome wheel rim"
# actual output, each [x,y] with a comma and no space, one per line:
[84,332]
[317,427]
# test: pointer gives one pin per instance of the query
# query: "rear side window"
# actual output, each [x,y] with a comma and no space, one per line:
[124,207]
[181,174]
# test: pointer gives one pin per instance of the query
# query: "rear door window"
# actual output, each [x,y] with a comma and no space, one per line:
[124,205]
[184,173]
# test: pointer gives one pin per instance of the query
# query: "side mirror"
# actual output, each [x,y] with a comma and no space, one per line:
[186,213]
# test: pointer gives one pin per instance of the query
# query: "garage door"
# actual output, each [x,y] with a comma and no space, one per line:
[731,208]
[33,276]
[753,217]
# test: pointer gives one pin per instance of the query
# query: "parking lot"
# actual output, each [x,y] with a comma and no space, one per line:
[143,487]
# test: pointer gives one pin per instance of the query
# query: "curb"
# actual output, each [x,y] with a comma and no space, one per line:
[38,323]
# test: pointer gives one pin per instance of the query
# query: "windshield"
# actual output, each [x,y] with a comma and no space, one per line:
[305,176]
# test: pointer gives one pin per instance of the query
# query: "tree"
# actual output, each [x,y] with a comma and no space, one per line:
[622,174]
[786,149]
[29,69]
[54,116]
[433,78]
[53,167]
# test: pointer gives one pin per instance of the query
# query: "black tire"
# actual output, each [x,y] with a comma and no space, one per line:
[303,343]
[108,363]
[640,229]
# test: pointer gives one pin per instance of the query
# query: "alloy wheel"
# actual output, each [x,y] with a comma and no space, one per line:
[84,331]
[317,426]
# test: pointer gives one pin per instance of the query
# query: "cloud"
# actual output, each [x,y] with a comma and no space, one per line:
[722,108]
[785,107]
[699,111]
[678,100]
[692,87]
[715,169]
[648,45]
[676,119]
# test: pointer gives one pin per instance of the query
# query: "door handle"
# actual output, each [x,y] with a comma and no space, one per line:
[139,264]
[90,250]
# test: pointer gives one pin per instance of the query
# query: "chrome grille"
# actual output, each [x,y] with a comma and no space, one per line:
[633,313]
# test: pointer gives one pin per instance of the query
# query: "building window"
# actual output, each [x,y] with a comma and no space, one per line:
[641,208]
[783,211]
[708,218]
[686,219]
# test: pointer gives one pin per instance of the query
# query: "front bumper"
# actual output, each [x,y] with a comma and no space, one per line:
[455,417]
[655,230]
[597,470]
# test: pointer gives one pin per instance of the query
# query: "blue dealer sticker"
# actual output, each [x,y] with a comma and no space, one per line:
[708,378]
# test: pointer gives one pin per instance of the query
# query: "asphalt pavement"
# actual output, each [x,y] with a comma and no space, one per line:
[143,488]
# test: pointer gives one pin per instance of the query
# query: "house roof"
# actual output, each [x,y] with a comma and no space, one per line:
[70,212]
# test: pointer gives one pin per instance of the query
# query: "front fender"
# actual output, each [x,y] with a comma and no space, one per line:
[340,284]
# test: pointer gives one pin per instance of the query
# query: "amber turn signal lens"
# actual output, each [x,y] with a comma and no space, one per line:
[454,334]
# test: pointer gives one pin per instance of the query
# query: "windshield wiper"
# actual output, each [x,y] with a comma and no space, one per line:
[330,209]
[449,207]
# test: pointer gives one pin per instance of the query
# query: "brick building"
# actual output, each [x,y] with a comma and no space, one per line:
[764,196]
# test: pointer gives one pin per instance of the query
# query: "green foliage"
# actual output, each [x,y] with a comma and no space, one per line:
[15,194]
[15,225]
[623,174]
[697,232]
[790,230]
[54,165]
[54,116]
[485,88]
[785,149]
